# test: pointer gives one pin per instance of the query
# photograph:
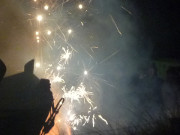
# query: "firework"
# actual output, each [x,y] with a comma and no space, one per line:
[57,79]
[66,55]
[57,67]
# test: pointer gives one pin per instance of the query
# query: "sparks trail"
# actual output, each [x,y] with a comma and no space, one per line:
[115,24]
[105,59]
[129,12]
[109,57]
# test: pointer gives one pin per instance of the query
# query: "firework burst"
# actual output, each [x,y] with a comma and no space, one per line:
[55,57]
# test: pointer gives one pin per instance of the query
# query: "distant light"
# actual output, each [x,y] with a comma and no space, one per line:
[46,7]
[37,33]
[49,32]
[85,72]
[80,6]
[37,38]
[35,0]
[37,64]
[37,41]
[69,31]
[39,18]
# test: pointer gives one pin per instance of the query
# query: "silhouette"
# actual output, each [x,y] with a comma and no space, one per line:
[25,102]
[2,70]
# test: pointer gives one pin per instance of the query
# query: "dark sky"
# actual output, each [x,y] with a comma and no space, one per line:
[159,21]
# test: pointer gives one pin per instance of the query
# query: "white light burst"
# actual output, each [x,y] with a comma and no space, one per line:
[77,94]
[57,79]
[66,55]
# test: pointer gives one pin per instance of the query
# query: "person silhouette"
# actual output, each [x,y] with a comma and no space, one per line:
[25,102]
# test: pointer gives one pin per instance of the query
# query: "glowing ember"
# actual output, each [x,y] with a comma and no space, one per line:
[49,32]
[46,7]
[85,72]
[37,64]
[69,31]
[80,6]
[39,18]
[37,33]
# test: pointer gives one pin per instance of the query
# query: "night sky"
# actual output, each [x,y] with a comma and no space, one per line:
[159,20]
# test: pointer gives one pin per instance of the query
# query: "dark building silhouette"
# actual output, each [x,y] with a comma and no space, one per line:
[25,102]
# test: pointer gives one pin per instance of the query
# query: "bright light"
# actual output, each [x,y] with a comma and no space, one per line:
[80,6]
[57,79]
[37,33]
[37,41]
[37,38]
[46,7]
[39,18]
[58,68]
[37,64]
[66,55]
[85,72]
[69,31]
[35,0]
[49,32]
